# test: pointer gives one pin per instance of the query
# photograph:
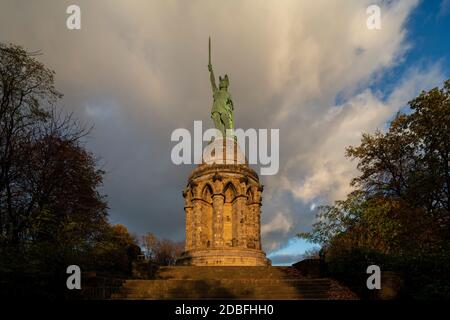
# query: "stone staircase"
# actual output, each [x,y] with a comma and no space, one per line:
[189,282]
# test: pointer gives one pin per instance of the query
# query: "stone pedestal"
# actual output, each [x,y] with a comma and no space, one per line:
[223,208]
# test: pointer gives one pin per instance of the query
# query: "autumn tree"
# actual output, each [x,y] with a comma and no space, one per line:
[149,244]
[161,251]
[25,86]
[400,207]
[114,250]
[51,213]
[407,172]
[167,252]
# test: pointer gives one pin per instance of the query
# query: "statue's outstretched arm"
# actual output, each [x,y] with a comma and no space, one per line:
[212,78]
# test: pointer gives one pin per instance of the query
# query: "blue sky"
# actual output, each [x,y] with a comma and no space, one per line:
[428,35]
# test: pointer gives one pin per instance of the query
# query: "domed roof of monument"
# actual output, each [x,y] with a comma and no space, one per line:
[223,151]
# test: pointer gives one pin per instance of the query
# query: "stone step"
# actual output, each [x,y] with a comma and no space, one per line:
[232,287]
[261,293]
[190,272]
[182,294]
[223,297]
[234,290]
[259,296]
[188,282]
[243,282]
[222,289]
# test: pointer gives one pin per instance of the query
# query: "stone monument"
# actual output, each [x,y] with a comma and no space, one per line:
[223,197]
[223,257]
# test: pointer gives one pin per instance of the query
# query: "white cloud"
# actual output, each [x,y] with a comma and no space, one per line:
[329,171]
[279,223]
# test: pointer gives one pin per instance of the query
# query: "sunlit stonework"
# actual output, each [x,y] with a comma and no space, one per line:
[223,211]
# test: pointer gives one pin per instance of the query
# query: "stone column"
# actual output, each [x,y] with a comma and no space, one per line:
[241,211]
[235,218]
[196,213]
[252,222]
[189,228]
[251,225]
[189,222]
[258,216]
[218,201]
[258,229]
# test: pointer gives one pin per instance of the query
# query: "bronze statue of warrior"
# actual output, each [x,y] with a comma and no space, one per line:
[222,108]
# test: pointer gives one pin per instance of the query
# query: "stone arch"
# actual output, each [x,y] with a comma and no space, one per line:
[206,216]
[229,192]
[207,193]
[195,190]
